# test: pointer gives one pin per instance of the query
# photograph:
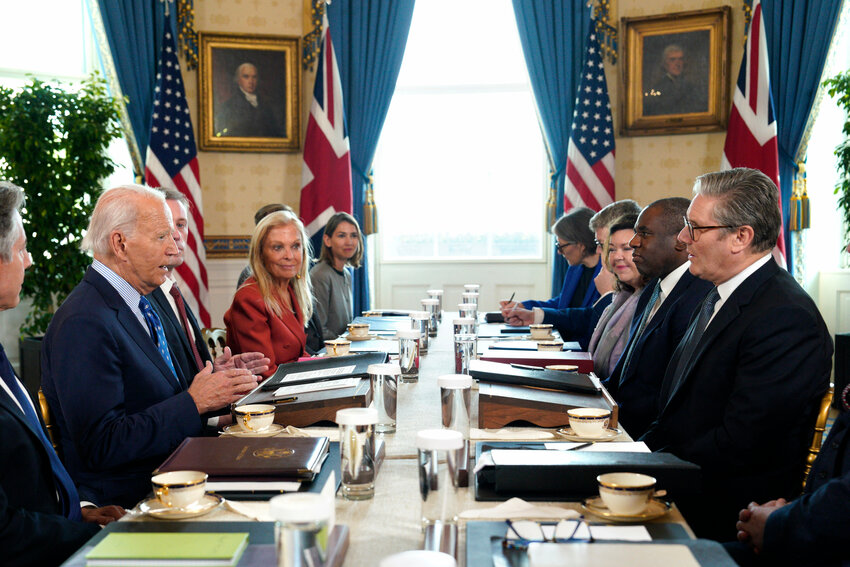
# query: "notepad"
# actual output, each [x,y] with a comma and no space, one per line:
[200,549]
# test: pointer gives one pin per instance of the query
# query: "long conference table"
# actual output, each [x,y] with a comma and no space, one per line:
[390,522]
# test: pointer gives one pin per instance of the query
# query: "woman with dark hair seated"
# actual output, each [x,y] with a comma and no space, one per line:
[271,309]
[612,331]
[342,246]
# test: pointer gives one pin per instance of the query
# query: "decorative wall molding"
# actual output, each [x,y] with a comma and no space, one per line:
[227,246]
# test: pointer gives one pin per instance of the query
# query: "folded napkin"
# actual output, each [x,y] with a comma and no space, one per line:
[527,434]
[257,511]
[517,508]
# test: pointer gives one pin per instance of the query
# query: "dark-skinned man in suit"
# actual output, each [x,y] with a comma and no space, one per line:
[663,312]
[41,519]
[742,390]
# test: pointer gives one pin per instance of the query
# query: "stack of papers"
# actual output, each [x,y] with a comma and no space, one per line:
[151,549]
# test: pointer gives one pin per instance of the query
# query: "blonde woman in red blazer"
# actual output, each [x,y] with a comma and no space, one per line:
[270,310]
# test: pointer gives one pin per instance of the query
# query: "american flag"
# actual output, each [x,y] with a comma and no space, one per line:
[172,161]
[326,175]
[751,136]
[590,156]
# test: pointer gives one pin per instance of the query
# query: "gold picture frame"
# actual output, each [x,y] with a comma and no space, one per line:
[250,87]
[675,73]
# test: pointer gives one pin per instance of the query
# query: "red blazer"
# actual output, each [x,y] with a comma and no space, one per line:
[251,327]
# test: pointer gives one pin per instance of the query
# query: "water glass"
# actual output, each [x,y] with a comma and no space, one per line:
[357,452]
[408,354]
[465,346]
[438,295]
[384,378]
[420,320]
[464,326]
[439,452]
[430,306]
[302,530]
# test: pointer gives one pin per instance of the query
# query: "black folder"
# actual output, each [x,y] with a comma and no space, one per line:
[521,375]
[360,362]
[574,478]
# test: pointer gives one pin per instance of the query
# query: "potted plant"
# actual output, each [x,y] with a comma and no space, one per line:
[53,141]
[839,88]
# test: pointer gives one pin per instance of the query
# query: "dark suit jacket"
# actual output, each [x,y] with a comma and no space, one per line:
[118,407]
[812,530]
[745,408]
[178,345]
[252,327]
[563,299]
[636,388]
[33,530]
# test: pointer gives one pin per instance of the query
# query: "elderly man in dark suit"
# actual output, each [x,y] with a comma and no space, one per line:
[187,346]
[664,312]
[41,521]
[120,405]
[742,390]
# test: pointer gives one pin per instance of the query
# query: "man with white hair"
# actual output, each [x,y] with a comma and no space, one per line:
[119,404]
[246,113]
[41,519]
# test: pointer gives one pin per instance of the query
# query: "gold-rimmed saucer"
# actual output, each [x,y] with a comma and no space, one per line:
[369,337]
[156,509]
[570,435]
[655,509]
[236,430]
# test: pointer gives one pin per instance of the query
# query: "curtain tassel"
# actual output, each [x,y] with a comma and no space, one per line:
[370,210]
[551,205]
[805,219]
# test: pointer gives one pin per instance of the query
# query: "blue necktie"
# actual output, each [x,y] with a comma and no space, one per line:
[68,496]
[157,334]
[653,299]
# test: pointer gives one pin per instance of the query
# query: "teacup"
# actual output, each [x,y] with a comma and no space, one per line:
[337,347]
[589,422]
[358,330]
[254,417]
[540,331]
[179,489]
[625,493]
[550,346]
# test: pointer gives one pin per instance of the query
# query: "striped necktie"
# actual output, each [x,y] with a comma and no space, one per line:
[156,332]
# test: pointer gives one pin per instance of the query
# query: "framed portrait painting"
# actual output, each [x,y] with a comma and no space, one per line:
[676,73]
[249,93]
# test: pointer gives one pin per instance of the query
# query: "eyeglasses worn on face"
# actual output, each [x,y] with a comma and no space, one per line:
[560,247]
[692,228]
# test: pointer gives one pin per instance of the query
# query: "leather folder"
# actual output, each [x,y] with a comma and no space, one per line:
[325,368]
[541,358]
[538,377]
[534,473]
[295,458]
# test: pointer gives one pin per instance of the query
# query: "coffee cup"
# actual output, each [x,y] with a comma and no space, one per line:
[337,347]
[540,331]
[550,346]
[625,493]
[179,489]
[589,422]
[254,417]
[358,330]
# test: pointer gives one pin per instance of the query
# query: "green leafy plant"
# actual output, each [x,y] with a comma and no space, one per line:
[53,141]
[838,87]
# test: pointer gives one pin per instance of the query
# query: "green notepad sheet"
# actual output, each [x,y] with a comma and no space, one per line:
[159,549]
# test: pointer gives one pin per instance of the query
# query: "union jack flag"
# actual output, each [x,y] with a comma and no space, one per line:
[172,161]
[326,175]
[751,136]
[590,155]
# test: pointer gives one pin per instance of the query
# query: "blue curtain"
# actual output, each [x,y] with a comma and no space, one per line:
[369,37]
[552,34]
[799,33]
[134,32]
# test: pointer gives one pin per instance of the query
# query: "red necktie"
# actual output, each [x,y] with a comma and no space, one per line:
[184,321]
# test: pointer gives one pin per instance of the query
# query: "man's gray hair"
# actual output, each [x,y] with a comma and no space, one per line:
[116,210]
[11,198]
[174,195]
[745,197]
[238,71]
[612,212]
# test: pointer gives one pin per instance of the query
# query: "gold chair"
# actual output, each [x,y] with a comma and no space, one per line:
[216,338]
[820,427]
[49,422]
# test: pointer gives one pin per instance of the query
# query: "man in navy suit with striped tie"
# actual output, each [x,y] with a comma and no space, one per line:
[120,405]
[41,520]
